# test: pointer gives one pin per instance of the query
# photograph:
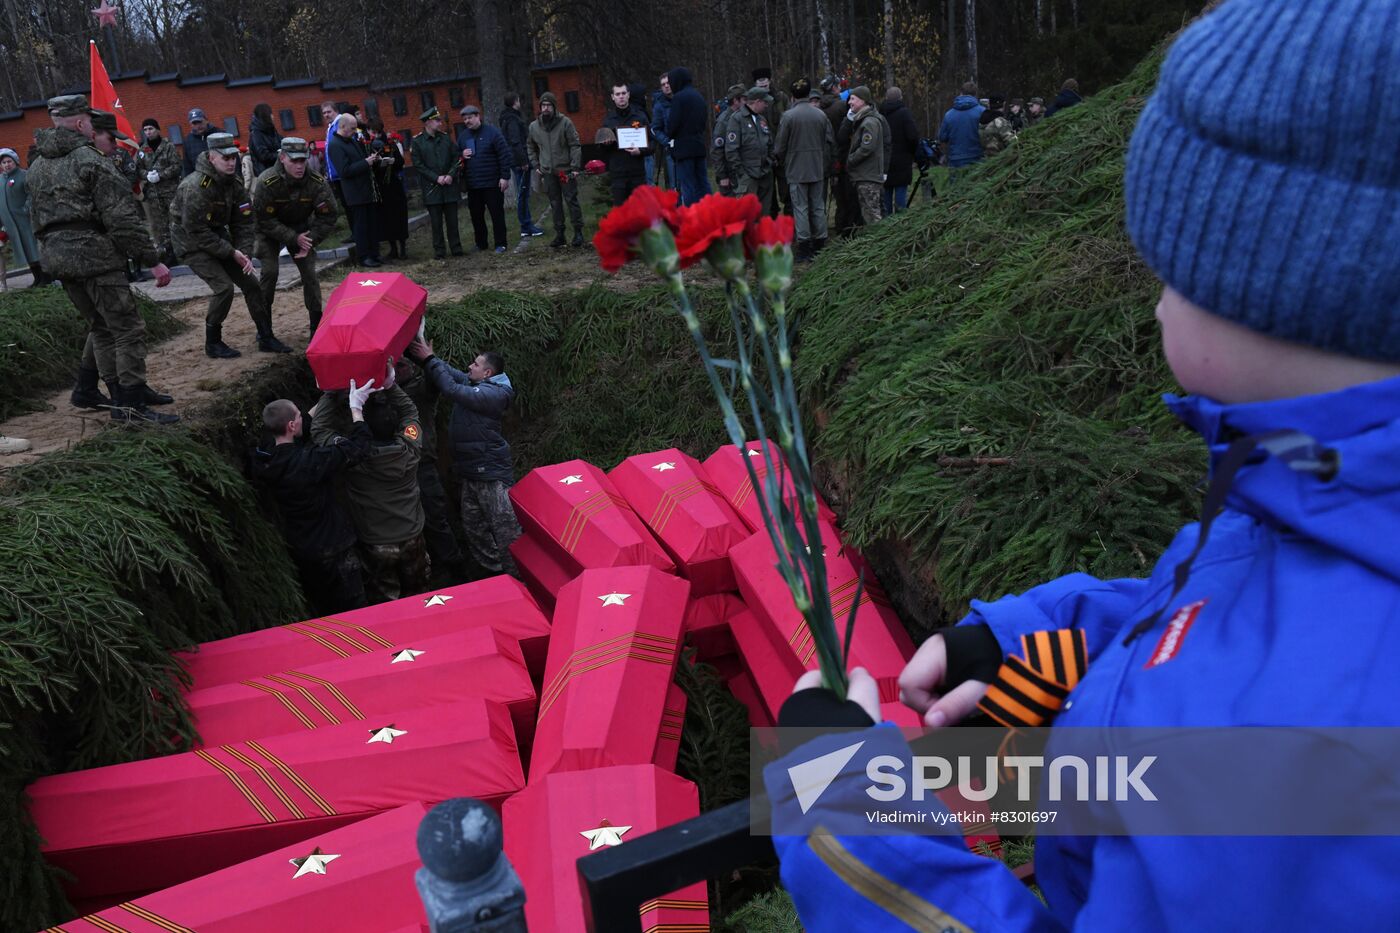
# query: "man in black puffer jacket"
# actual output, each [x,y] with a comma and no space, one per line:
[480,453]
[686,125]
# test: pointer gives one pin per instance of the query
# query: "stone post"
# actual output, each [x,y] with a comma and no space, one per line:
[466,882]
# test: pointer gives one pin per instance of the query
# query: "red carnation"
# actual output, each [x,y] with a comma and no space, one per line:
[712,219]
[768,232]
[616,240]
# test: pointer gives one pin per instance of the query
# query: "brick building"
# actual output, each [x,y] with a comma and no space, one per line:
[296,104]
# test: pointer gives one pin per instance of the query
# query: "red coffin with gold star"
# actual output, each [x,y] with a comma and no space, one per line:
[150,824]
[369,320]
[671,493]
[707,625]
[474,663]
[356,878]
[551,824]
[501,603]
[617,634]
[725,468]
[543,569]
[573,511]
[880,644]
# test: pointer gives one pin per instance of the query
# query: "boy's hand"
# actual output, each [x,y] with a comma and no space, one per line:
[863,690]
[920,686]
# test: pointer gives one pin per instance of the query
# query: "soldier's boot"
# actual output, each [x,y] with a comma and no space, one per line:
[267,343]
[558,241]
[802,251]
[214,346]
[127,405]
[148,395]
[40,276]
[86,394]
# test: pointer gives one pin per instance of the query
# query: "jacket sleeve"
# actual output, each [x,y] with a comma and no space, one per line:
[575,149]
[484,397]
[168,162]
[242,226]
[673,119]
[658,126]
[503,154]
[194,220]
[403,406]
[324,214]
[426,178]
[111,195]
[944,132]
[355,165]
[780,143]
[532,150]
[264,148]
[733,162]
[330,418]
[1100,607]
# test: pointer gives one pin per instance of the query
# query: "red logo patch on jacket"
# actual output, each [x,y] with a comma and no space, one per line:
[1170,642]
[411,432]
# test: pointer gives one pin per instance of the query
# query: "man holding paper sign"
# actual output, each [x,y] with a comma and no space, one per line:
[627,156]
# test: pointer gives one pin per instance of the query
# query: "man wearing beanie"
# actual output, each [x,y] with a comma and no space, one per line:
[557,157]
[865,159]
[1275,240]
[158,163]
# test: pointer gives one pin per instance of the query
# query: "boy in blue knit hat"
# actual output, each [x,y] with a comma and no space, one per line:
[1275,239]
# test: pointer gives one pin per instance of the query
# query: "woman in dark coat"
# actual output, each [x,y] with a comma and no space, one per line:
[904,142]
[263,139]
[393,204]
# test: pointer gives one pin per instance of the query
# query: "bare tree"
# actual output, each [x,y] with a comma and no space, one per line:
[970,28]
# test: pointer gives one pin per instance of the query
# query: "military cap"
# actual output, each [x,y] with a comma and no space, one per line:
[105,122]
[1038,100]
[222,143]
[70,105]
[470,108]
[758,93]
[294,147]
[735,90]
[432,113]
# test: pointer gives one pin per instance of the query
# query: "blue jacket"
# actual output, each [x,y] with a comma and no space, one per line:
[491,160]
[480,451]
[689,118]
[660,112]
[959,131]
[1301,582]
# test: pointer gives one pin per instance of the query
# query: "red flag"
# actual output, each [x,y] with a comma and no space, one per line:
[104,95]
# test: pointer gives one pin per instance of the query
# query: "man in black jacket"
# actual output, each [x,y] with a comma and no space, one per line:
[627,168]
[480,453]
[516,129]
[904,139]
[263,139]
[301,478]
[686,125]
[355,169]
[195,140]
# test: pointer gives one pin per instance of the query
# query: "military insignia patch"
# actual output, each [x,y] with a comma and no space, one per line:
[272,210]
[733,137]
[245,209]
[719,141]
[865,139]
[411,432]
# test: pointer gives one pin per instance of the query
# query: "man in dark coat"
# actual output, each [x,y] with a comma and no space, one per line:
[195,140]
[804,149]
[515,128]
[301,478]
[686,129]
[904,140]
[1068,97]
[355,167]
[486,160]
[480,453]
[263,139]
[438,165]
[664,164]
[627,170]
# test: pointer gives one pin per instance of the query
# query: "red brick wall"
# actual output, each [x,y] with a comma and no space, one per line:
[170,103]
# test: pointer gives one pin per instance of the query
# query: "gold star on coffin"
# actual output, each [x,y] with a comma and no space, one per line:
[663,467]
[614,599]
[385,734]
[313,864]
[605,835]
[106,15]
[570,480]
[437,599]
[367,283]
[407,654]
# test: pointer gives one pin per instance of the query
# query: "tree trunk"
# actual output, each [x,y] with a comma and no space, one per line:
[823,39]
[950,43]
[970,27]
[1040,17]
[1074,13]
[490,52]
[889,44]
[1052,17]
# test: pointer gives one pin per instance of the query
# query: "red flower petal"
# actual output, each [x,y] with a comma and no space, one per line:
[713,217]
[616,239]
[768,232]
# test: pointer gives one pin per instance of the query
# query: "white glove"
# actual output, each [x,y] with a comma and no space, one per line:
[358,394]
[153,176]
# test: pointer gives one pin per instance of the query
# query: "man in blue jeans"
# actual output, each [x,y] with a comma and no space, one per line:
[686,127]
[515,130]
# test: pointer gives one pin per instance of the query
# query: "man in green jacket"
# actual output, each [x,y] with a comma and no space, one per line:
[748,148]
[557,158]
[159,163]
[865,162]
[438,165]
[213,232]
[295,208]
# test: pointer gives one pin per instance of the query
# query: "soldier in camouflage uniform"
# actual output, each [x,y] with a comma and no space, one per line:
[735,96]
[994,131]
[159,164]
[295,208]
[87,226]
[108,140]
[748,148]
[213,229]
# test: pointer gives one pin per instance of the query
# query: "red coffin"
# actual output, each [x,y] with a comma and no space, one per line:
[880,643]
[725,468]
[617,634]
[550,825]
[707,624]
[573,510]
[150,824]
[369,320]
[501,603]
[671,493]
[475,663]
[668,739]
[544,570]
[367,887]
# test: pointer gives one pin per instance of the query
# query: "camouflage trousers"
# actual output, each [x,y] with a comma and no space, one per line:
[310,285]
[489,523]
[395,570]
[116,340]
[869,193]
[158,219]
[224,276]
[334,583]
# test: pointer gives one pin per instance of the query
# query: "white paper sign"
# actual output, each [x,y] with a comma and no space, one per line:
[631,137]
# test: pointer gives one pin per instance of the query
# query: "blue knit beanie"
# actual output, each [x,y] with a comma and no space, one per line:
[1263,180]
